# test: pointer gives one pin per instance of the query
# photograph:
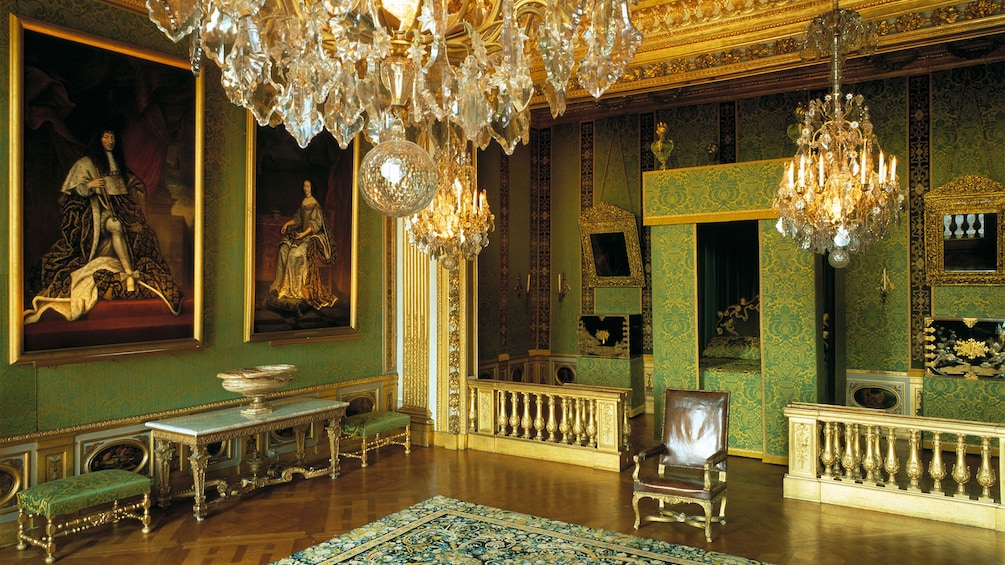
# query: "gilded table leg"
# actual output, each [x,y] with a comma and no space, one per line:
[164,452]
[200,460]
[334,429]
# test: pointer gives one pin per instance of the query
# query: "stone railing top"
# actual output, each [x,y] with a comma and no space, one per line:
[881,418]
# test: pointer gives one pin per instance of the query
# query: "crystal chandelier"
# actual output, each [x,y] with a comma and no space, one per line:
[456,226]
[839,193]
[378,67]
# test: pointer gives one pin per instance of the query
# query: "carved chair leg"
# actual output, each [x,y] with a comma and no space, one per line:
[708,522]
[635,505]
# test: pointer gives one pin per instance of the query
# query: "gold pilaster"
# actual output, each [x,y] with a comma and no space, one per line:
[415,326]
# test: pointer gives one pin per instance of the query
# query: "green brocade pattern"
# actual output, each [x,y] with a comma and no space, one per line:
[445,530]
[675,312]
[376,422]
[78,492]
[710,190]
[742,378]
[788,333]
[620,373]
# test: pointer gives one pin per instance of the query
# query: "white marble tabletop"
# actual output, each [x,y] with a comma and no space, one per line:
[228,419]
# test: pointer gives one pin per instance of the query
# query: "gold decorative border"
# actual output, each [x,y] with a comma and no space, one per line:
[968,194]
[16,230]
[95,450]
[18,482]
[251,248]
[603,218]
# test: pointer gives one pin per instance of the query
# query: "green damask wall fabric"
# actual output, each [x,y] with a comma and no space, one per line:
[788,333]
[710,190]
[675,314]
[746,407]
[878,334]
[622,373]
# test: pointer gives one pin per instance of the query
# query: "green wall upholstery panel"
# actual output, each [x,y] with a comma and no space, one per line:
[693,129]
[962,399]
[617,300]
[746,406]
[675,314]
[707,190]
[53,397]
[621,373]
[965,102]
[565,195]
[762,124]
[968,301]
[878,334]
[616,163]
[78,492]
[788,332]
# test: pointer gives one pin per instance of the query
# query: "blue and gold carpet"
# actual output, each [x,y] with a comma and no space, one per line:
[444,530]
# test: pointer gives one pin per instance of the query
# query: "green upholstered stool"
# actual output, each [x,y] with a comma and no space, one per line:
[79,494]
[377,429]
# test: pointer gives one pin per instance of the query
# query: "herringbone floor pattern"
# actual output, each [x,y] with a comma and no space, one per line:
[278,521]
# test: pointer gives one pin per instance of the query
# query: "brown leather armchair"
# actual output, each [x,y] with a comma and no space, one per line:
[692,459]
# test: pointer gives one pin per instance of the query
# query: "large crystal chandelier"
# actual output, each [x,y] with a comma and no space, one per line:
[839,193]
[456,226]
[382,66]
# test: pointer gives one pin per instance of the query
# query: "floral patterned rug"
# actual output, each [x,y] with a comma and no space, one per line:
[445,530]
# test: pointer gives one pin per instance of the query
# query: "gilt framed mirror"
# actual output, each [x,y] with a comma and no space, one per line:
[965,233]
[611,252]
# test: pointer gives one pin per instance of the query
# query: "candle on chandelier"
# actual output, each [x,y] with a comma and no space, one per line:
[893,168]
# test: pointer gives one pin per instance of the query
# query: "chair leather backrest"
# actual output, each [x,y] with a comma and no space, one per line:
[695,425]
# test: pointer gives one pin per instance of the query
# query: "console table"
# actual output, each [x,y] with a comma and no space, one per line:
[204,428]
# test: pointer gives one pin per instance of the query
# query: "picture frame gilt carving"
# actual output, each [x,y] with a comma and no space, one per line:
[106,252]
[301,237]
[965,233]
[612,256]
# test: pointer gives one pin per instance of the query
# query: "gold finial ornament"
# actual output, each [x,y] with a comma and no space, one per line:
[662,147]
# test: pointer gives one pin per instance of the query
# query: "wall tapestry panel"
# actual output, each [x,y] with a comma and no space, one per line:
[736,191]
[675,315]
[695,133]
[788,333]
[762,125]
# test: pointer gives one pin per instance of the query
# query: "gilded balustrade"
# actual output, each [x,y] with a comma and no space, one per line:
[544,421]
[837,455]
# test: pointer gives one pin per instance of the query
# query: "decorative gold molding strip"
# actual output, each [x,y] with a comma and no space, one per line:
[759,214]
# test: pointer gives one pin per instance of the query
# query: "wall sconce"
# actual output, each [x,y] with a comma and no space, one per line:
[522,289]
[563,286]
[885,286]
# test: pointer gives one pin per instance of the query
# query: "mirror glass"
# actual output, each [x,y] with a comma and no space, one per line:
[970,242]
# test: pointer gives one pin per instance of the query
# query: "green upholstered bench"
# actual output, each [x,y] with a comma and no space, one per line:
[82,500]
[375,430]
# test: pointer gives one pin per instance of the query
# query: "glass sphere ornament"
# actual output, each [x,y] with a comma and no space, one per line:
[839,258]
[397,178]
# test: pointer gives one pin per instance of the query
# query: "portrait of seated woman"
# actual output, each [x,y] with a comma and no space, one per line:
[306,242]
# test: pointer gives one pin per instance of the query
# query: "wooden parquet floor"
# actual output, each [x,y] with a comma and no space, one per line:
[275,522]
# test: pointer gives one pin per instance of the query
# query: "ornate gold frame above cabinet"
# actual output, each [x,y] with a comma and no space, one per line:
[612,255]
[965,232]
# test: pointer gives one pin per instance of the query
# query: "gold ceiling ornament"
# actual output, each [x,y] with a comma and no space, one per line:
[839,193]
[377,66]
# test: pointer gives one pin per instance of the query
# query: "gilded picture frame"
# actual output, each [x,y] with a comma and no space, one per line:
[612,256]
[965,233]
[112,262]
[301,256]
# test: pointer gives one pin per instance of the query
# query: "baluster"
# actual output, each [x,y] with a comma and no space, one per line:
[514,415]
[827,455]
[936,468]
[986,475]
[473,410]
[539,418]
[526,422]
[892,464]
[850,458]
[591,426]
[877,450]
[961,471]
[564,425]
[577,425]
[914,467]
[552,424]
[502,413]
[870,461]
